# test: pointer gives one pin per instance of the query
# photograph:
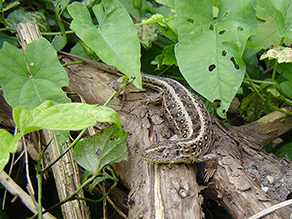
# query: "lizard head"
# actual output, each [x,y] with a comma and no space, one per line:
[165,152]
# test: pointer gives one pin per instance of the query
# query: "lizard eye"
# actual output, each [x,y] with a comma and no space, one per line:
[161,150]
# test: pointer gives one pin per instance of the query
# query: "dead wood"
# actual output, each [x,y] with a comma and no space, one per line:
[161,191]
[65,171]
[247,179]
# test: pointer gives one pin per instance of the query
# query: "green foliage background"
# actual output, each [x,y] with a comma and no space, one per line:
[213,47]
[211,42]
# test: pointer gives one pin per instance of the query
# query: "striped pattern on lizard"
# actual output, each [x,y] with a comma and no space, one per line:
[189,118]
[185,112]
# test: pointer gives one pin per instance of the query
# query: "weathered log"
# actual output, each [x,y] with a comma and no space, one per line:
[65,171]
[162,191]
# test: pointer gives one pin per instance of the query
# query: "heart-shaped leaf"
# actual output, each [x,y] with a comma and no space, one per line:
[101,149]
[27,81]
[209,51]
[115,39]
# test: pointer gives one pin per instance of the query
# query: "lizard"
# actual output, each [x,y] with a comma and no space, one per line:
[186,113]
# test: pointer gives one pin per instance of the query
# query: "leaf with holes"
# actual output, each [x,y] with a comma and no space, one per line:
[209,51]
[27,81]
[101,149]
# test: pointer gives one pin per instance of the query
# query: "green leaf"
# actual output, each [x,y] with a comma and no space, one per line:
[21,16]
[68,116]
[31,80]
[95,182]
[59,42]
[101,149]
[9,39]
[137,3]
[169,28]
[273,90]
[168,3]
[266,34]
[284,148]
[5,138]
[167,57]
[22,118]
[280,12]
[79,50]
[252,66]
[286,88]
[8,7]
[72,116]
[130,8]
[285,70]
[8,144]
[115,41]
[36,111]
[209,51]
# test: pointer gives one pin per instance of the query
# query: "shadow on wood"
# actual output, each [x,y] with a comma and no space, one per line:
[162,191]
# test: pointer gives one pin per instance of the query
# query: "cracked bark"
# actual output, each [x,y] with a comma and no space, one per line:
[161,191]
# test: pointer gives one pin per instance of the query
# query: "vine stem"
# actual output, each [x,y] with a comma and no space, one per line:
[276,62]
[260,82]
[40,190]
[41,171]
[263,99]
[124,84]
[274,70]
[71,146]
[68,198]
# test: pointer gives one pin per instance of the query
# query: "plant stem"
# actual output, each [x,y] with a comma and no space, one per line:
[274,70]
[165,70]
[2,19]
[282,41]
[39,181]
[6,28]
[158,45]
[254,88]
[124,84]
[264,101]
[71,146]
[72,63]
[99,200]
[56,33]
[68,198]
[259,81]
[62,28]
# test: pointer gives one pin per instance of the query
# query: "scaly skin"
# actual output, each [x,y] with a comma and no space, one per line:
[186,113]
[190,120]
